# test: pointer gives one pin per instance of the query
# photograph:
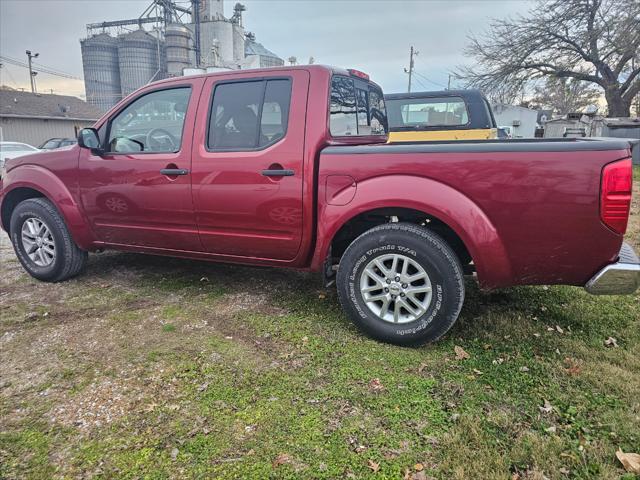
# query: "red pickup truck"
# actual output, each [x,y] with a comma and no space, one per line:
[289,167]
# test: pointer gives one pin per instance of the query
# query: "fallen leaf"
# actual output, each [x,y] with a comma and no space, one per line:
[418,467]
[281,459]
[524,369]
[204,279]
[559,329]
[322,295]
[376,385]
[419,476]
[477,372]
[564,471]
[460,353]
[551,429]
[375,467]
[547,407]
[611,342]
[630,461]
[571,366]
[174,454]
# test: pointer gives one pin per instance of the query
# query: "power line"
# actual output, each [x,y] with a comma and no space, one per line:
[429,80]
[39,68]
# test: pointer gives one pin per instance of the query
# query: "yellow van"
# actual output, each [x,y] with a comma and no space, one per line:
[437,116]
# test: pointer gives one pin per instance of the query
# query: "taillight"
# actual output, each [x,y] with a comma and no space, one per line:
[615,195]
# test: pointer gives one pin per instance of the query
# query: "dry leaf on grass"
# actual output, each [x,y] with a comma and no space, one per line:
[418,467]
[547,407]
[630,461]
[460,353]
[374,466]
[611,342]
[376,385]
[281,459]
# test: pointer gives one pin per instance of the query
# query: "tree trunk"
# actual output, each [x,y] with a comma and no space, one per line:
[618,107]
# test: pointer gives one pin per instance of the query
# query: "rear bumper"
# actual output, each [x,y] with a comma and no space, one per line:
[617,278]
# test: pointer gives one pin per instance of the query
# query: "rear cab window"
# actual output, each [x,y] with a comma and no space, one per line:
[356,108]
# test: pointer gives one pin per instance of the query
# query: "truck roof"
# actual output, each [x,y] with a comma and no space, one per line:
[470,94]
[318,68]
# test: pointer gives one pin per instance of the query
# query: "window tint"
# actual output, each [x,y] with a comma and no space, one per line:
[51,144]
[275,111]
[428,112]
[377,112]
[343,107]
[152,123]
[357,108]
[247,115]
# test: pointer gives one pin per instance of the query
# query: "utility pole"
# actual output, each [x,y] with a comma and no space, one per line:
[32,74]
[412,53]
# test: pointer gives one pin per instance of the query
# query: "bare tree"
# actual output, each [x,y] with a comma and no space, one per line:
[565,95]
[595,41]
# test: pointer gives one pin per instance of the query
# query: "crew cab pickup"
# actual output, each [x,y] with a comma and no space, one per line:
[290,167]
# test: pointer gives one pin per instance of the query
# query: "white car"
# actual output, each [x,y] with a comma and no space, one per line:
[13,150]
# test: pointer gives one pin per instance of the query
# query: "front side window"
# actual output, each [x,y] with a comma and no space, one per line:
[356,108]
[152,123]
[428,112]
[249,115]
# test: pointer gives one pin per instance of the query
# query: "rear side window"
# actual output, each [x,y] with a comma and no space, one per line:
[356,108]
[249,115]
[428,112]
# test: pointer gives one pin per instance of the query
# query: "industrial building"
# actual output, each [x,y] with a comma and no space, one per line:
[33,118]
[120,56]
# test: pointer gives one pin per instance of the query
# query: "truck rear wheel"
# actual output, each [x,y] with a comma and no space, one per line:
[42,242]
[401,283]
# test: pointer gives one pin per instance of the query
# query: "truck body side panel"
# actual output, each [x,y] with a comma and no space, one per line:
[527,217]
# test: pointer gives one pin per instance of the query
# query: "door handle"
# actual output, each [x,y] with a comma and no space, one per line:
[170,172]
[278,173]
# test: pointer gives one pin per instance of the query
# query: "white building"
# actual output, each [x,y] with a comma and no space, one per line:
[521,120]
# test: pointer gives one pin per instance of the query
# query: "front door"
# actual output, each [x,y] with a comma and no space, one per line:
[139,191]
[247,169]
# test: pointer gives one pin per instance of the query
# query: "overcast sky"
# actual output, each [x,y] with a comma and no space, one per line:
[370,35]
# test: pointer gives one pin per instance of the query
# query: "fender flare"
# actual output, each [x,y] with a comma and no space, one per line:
[51,187]
[431,197]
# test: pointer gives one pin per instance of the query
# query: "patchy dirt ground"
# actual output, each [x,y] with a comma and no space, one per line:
[164,368]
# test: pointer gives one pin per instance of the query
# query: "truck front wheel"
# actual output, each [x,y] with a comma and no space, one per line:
[401,283]
[42,242]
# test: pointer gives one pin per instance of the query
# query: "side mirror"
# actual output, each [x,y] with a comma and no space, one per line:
[88,138]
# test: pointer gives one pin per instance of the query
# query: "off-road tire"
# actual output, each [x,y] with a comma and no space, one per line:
[432,253]
[69,259]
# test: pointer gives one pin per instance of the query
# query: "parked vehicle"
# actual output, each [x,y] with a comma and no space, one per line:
[504,132]
[13,150]
[290,167]
[54,143]
[444,115]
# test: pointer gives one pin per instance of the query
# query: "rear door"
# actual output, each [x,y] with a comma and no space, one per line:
[247,165]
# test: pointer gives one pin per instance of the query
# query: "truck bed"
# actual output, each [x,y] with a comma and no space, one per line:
[537,200]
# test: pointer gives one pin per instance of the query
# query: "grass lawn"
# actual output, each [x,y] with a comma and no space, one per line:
[148,367]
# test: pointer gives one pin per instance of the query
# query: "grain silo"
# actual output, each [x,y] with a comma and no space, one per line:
[220,52]
[140,60]
[101,70]
[238,43]
[177,38]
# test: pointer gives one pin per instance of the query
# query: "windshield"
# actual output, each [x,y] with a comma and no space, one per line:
[357,108]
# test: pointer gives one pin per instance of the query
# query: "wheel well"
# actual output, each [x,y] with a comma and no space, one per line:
[364,221]
[12,199]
